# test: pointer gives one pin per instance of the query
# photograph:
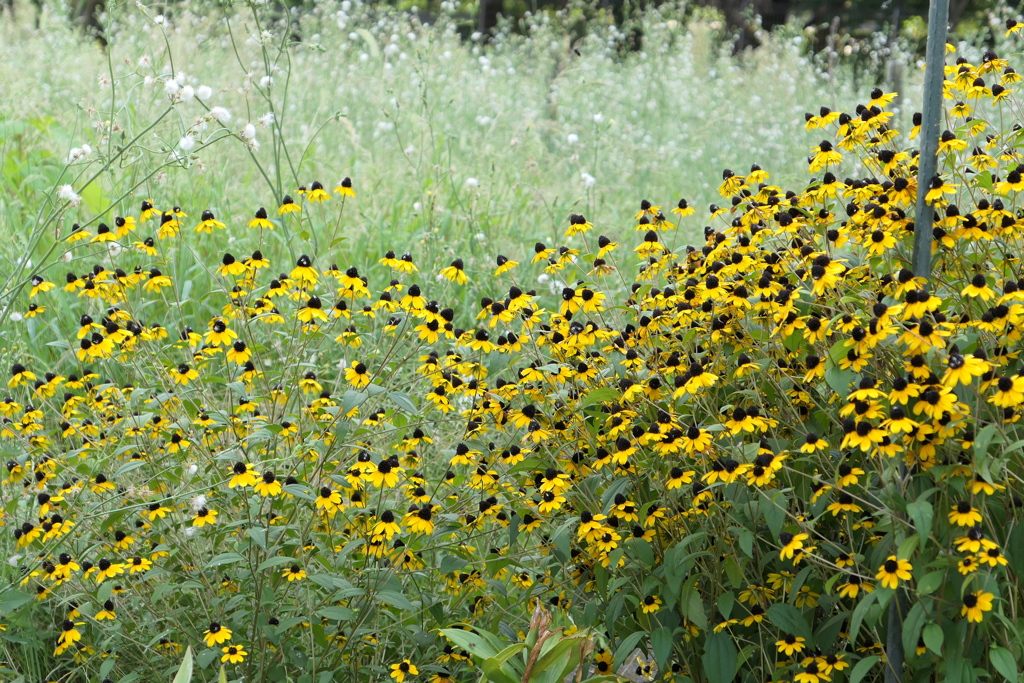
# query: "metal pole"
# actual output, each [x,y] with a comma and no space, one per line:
[931,120]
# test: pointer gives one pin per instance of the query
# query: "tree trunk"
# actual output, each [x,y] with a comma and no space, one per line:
[487,19]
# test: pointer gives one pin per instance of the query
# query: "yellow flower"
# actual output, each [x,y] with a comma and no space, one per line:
[216,634]
[455,273]
[294,573]
[790,645]
[402,669]
[975,605]
[233,654]
[893,571]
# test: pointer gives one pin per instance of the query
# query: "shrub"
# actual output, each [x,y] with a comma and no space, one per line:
[778,454]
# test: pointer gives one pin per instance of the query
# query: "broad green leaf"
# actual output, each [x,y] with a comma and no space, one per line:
[922,513]
[861,668]
[477,644]
[790,620]
[11,600]
[912,626]
[719,658]
[184,674]
[396,600]
[452,563]
[661,644]
[225,558]
[404,402]
[627,646]
[336,613]
[274,562]
[859,612]
[1002,661]
[933,637]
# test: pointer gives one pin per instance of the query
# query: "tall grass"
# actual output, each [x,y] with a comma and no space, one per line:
[453,142]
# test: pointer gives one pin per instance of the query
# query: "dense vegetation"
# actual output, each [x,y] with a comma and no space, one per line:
[303,394]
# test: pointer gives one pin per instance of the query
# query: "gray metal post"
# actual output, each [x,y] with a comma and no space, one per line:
[931,120]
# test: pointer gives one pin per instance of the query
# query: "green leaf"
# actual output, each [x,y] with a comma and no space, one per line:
[839,380]
[404,402]
[774,514]
[225,558]
[912,626]
[719,658]
[493,672]
[922,513]
[258,536]
[627,646]
[933,637]
[1016,547]
[222,677]
[557,652]
[11,600]
[336,613]
[184,674]
[930,581]
[396,600]
[859,613]
[860,670]
[661,644]
[1002,661]
[790,620]
[507,654]
[475,643]
[274,562]
[451,563]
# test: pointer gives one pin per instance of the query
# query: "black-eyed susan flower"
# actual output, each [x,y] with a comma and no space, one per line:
[403,669]
[268,485]
[208,223]
[294,573]
[455,272]
[233,654]
[216,634]
[204,516]
[650,604]
[344,188]
[893,571]
[964,514]
[288,205]
[790,645]
[259,220]
[975,605]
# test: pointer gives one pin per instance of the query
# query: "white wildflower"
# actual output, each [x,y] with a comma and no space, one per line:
[249,132]
[598,118]
[204,92]
[114,249]
[221,114]
[191,531]
[68,194]
[186,93]
[198,502]
[472,182]
[573,138]
[266,120]
[187,142]
[159,20]
[588,180]
[145,61]
[148,81]
[15,317]
[266,81]
[103,81]
[171,86]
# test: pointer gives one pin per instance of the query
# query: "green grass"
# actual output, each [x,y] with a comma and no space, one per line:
[453,147]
